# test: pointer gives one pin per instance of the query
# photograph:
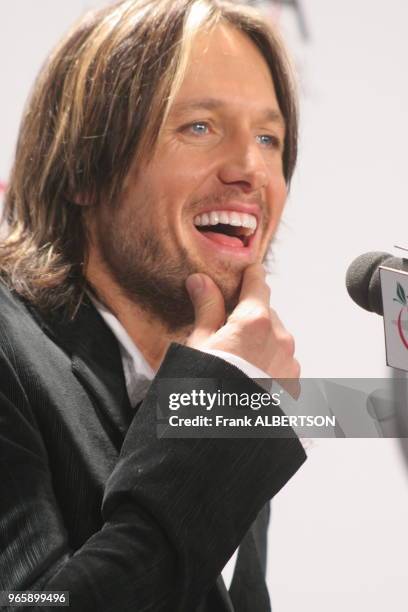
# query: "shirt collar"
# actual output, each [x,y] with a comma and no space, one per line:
[138,373]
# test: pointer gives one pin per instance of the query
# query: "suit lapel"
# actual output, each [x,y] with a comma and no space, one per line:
[96,363]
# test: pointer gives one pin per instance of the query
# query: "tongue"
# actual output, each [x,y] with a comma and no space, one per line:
[224,239]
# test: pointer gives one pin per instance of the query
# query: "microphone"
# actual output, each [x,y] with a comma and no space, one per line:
[363,284]
[363,279]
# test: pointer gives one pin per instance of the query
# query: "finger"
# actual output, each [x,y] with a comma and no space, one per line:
[277,324]
[255,292]
[291,385]
[291,382]
[209,307]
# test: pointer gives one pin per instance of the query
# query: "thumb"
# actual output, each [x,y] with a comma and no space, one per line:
[209,308]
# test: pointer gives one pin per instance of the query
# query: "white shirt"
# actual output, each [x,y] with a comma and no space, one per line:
[139,374]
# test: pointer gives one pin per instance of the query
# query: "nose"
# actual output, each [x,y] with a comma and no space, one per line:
[244,165]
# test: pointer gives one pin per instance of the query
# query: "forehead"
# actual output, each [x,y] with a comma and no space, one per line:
[226,64]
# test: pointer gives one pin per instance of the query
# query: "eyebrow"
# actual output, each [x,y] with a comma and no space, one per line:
[268,114]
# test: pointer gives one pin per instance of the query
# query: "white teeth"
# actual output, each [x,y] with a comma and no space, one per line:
[214,217]
[227,217]
[235,219]
[205,219]
[249,221]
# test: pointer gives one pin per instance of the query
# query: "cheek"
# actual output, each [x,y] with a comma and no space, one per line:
[171,181]
[276,194]
[281,196]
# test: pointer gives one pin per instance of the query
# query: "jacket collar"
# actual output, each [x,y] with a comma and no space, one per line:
[96,363]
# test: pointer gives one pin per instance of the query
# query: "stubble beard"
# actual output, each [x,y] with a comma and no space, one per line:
[154,279]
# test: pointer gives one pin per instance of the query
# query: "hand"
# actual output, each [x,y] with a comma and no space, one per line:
[253,331]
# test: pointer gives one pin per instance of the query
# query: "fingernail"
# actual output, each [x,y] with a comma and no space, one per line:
[195,284]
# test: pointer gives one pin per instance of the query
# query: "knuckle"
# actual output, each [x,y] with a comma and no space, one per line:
[208,303]
[260,322]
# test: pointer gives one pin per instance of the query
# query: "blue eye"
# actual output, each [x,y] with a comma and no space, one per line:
[269,141]
[199,128]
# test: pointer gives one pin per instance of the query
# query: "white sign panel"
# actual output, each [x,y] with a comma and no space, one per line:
[394,288]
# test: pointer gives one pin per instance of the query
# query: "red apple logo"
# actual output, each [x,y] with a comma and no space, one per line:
[401,299]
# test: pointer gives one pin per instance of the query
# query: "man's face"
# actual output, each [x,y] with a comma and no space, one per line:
[218,160]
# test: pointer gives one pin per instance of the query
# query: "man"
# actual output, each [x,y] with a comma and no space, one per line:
[150,175]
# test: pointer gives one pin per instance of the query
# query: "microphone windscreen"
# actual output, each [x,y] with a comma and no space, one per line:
[363,279]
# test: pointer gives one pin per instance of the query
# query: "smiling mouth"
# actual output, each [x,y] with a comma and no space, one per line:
[227,228]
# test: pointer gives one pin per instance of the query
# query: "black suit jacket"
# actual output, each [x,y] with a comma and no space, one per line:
[94,503]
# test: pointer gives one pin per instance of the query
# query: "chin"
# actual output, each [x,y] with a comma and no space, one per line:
[230,286]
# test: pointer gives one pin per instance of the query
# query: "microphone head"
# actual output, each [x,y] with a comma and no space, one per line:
[363,279]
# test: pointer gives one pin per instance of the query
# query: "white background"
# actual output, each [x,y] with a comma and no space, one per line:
[339,534]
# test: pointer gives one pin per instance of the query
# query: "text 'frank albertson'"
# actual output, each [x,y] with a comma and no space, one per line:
[275,420]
